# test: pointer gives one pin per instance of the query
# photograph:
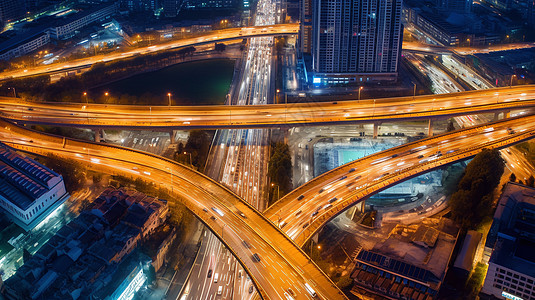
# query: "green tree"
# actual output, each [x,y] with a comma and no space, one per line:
[344,282]
[280,169]
[531,181]
[512,177]
[450,127]
[198,146]
[473,199]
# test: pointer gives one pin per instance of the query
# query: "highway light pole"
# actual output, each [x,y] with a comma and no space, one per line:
[189,157]
[14,91]
[169,96]
[360,89]
[85,96]
[171,170]
[511,82]
[414,91]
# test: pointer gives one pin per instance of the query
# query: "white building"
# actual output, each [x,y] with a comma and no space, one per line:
[29,191]
[66,28]
[23,44]
[511,244]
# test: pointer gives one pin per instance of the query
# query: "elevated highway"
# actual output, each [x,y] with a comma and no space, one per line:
[309,207]
[269,115]
[440,50]
[210,37]
[243,229]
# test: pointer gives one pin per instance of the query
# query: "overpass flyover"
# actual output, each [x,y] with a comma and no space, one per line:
[282,263]
[211,37]
[272,115]
[351,183]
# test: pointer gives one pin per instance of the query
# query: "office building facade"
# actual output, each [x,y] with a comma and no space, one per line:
[356,40]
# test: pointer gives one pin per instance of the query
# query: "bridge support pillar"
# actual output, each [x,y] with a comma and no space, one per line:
[430,128]
[496,116]
[172,136]
[99,135]
[375,130]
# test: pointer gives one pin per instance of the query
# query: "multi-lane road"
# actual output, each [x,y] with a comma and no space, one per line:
[265,115]
[279,264]
[306,209]
[238,159]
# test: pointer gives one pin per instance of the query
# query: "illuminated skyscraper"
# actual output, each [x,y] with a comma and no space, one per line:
[356,40]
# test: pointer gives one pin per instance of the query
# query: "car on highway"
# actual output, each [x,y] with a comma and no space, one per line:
[291,292]
[209,273]
[220,290]
[288,297]
[351,170]
[298,213]
[310,290]
[256,257]
[305,225]
[247,245]
[242,214]
[300,197]
[315,213]
[216,277]
[250,289]
[333,199]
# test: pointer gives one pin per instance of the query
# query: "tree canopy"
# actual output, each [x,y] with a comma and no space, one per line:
[474,196]
[280,169]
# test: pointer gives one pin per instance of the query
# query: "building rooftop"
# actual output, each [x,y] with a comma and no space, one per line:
[23,180]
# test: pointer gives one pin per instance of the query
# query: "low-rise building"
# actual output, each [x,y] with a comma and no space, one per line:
[23,43]
[80,259]
[66,27]
[511,245]
[29,191]
[410,264]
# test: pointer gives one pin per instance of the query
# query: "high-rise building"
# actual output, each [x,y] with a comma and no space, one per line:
[356,40]
[11,10]
[460,6]
[171,8]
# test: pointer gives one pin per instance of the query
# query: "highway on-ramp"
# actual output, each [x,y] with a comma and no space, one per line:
[302,212]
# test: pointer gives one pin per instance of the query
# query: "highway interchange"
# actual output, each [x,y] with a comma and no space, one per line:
[347,185]
[282,264]
[239,156]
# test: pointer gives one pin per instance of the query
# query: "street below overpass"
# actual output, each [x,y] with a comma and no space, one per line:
[269,115]
[282,264]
